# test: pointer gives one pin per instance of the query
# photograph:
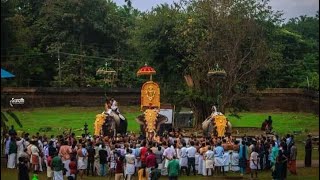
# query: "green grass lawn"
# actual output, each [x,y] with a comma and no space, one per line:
[283,122]
[303,173]
[61,118]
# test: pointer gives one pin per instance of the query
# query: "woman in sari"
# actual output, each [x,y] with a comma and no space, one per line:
[279,171]
[243,156]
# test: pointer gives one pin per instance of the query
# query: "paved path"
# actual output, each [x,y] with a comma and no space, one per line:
[314,163]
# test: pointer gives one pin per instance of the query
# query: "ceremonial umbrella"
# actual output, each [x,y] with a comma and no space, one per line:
[6,74]
[146,70]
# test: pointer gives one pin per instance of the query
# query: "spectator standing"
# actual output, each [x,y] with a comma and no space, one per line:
[143,173]
[243,157]
[103,156]
[184,158]
[57,167]
[143,152]
[254,163]
[23,173]
[12,154]
[91,154]
[137,155]
[119,168]
[218,158]
[292,160]
[274,153]
[73,168]
[158,153]
[64,152]
[20,146]
[209,160]
[308,152]
[49,168]
[150,160]
[173,169]
[155,173]
[81,164]
[130,167]
[34,151]
[191,154]
[279,169]
[167,154]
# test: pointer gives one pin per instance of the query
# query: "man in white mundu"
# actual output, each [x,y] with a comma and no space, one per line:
[168,154]
[130,167]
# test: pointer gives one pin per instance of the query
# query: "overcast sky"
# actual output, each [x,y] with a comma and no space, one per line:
[291,8]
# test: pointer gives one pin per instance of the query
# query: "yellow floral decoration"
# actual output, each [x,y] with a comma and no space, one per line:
[150,117]
[100,118]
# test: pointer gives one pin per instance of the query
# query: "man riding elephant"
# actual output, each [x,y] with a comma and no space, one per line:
[216,124]
[114,107]
[112,114]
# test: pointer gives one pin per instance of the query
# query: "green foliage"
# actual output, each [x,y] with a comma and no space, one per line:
[5,120]
[294,55]
[246,38]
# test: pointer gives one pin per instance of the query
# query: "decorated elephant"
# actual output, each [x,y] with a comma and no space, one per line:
[216,124]
[150,122]
[109,124]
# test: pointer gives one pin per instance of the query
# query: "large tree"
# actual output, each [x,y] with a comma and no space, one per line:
[228,33]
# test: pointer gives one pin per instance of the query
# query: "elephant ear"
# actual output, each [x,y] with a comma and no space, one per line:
[160,120]
[140,119]
[206,123]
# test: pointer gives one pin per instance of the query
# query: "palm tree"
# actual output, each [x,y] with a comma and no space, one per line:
[5,126]
[5,120]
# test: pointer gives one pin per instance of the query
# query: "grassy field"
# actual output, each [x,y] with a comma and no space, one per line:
[61,118]
[303,173]
[283,122]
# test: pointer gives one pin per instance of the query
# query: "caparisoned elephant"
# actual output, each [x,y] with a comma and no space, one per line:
[150,122]
[109,125]
[209,126]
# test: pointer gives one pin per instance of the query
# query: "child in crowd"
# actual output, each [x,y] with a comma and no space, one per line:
[254,163]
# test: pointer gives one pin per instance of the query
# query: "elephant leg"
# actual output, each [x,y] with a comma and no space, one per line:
[122,129]
[142,130]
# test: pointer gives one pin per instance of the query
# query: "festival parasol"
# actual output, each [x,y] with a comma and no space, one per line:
[146,70]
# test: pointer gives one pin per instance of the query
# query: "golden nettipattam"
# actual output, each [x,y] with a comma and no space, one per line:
[221,124]
[98,123]
[150,117]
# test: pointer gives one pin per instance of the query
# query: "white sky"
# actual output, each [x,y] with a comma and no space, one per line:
[290,8]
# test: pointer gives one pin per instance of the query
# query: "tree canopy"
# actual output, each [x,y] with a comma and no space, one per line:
[64,42]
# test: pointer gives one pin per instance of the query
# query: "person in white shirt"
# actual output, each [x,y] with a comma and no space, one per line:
[191,154]
[34,156]
[209,160]
[130,167]
[254,163]
[20,147]
[183,157]
[168,154]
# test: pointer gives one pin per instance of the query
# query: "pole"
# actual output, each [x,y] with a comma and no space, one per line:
[59,68]
[308,82]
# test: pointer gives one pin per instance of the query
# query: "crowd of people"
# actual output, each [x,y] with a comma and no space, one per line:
[132,155]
